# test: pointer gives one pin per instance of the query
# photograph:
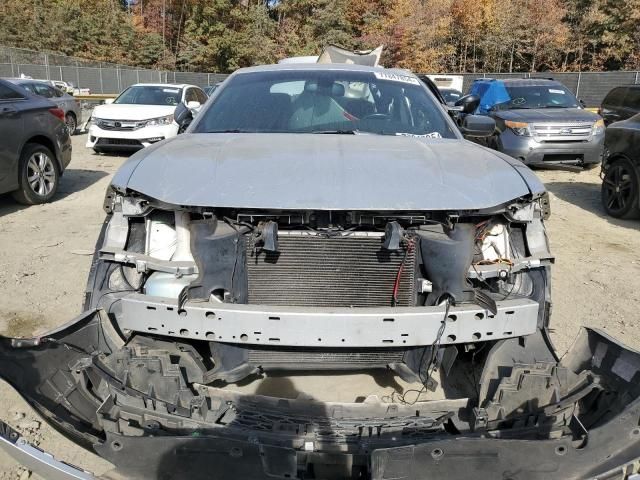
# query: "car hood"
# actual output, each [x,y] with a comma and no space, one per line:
[548,115]
[132,112]
[325,172]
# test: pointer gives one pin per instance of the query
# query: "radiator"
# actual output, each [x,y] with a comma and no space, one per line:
[340,271]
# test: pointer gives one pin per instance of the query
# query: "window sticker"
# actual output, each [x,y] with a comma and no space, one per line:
[170,90]
[397,77]
[426,135]
[553,90]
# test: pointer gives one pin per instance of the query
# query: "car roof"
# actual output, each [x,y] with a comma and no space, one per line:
[323,66]
[168,85]
[18,81]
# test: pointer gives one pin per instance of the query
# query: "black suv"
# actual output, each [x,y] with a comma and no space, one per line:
[35,146]
[620,103]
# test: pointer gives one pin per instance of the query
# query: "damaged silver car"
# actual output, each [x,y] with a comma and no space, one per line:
[327,222]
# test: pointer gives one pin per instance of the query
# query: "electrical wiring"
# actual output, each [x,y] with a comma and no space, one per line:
[431,366]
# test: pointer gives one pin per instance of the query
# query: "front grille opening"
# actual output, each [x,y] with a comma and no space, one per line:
[563,157]
[341,271]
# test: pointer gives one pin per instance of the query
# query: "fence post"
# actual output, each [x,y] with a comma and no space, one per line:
[208,79]
[101,82]
[60,69]
[636,80]
[137,76]
[578,85]
[77,75]
[46,66]
[118,77]
[11,62]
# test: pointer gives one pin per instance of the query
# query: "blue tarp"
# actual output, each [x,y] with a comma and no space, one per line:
[491,93]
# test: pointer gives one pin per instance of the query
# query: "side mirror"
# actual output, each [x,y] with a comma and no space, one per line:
[469,103]
[183,116]
[478,126]
[582,103]
[109,101]
[193,105]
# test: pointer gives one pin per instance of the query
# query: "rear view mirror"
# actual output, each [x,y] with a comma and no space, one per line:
[477,126]
[469,103]
[183,116]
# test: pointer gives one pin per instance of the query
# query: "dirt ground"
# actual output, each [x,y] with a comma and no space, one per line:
[45,253]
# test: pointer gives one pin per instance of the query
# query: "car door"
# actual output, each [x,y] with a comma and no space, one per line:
[11,133]
[611,110]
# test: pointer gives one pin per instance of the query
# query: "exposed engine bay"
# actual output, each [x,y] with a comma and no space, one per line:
[184,303]
[322,290]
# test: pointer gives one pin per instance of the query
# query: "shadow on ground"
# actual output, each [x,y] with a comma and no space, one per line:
[73,180]
[586,196]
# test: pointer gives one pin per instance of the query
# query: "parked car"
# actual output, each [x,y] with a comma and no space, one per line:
[70,106]
[327,218]
[620,103]
[451,95]
[35,146]
[540,122]
[621,169]
[66,87]
[140,116]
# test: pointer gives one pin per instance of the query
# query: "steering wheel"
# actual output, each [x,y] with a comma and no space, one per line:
[376,116]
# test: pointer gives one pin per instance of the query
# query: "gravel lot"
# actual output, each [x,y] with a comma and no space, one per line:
[46,252]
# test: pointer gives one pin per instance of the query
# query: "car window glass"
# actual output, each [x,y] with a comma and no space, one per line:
[190,96]
[150,95]
[57,92]
[326,101]
[44,90]
[615,97]
[29,86]
[200,95]
[7,93]
[632,99]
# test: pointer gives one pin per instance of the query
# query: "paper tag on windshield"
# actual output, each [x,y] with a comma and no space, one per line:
[426,135]
[553,90]
[170,90]
[397,77]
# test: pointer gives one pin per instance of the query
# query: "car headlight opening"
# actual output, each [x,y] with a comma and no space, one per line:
[519,128]
[166,120]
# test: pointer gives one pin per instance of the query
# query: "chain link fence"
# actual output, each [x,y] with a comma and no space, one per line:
[97,77]
[110,78]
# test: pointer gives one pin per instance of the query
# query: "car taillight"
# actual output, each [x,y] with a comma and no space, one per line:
[57,112]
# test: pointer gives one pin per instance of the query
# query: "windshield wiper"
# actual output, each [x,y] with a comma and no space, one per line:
[231,130]
[335,132]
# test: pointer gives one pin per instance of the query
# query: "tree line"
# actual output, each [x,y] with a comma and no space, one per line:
[422,35]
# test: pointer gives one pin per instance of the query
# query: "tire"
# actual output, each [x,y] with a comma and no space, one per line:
[38,175]
[98,150]
[71,122]
[620,187]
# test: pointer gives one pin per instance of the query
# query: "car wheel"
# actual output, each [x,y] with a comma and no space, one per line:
[38,175]
[620,189]
[71,122]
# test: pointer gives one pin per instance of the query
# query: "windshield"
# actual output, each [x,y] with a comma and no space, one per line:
[150,95]
[538,96]
[309,101]
[451,95]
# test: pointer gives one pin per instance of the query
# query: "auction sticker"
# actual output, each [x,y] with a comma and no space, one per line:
[396,77]
[553,90]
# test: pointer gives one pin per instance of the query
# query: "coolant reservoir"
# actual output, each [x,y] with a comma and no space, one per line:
[175,244]
[161,284]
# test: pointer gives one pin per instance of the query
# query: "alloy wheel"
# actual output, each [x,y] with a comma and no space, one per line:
[41,174]
[618,188]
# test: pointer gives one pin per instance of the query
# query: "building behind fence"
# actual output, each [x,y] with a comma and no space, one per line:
[110,78]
